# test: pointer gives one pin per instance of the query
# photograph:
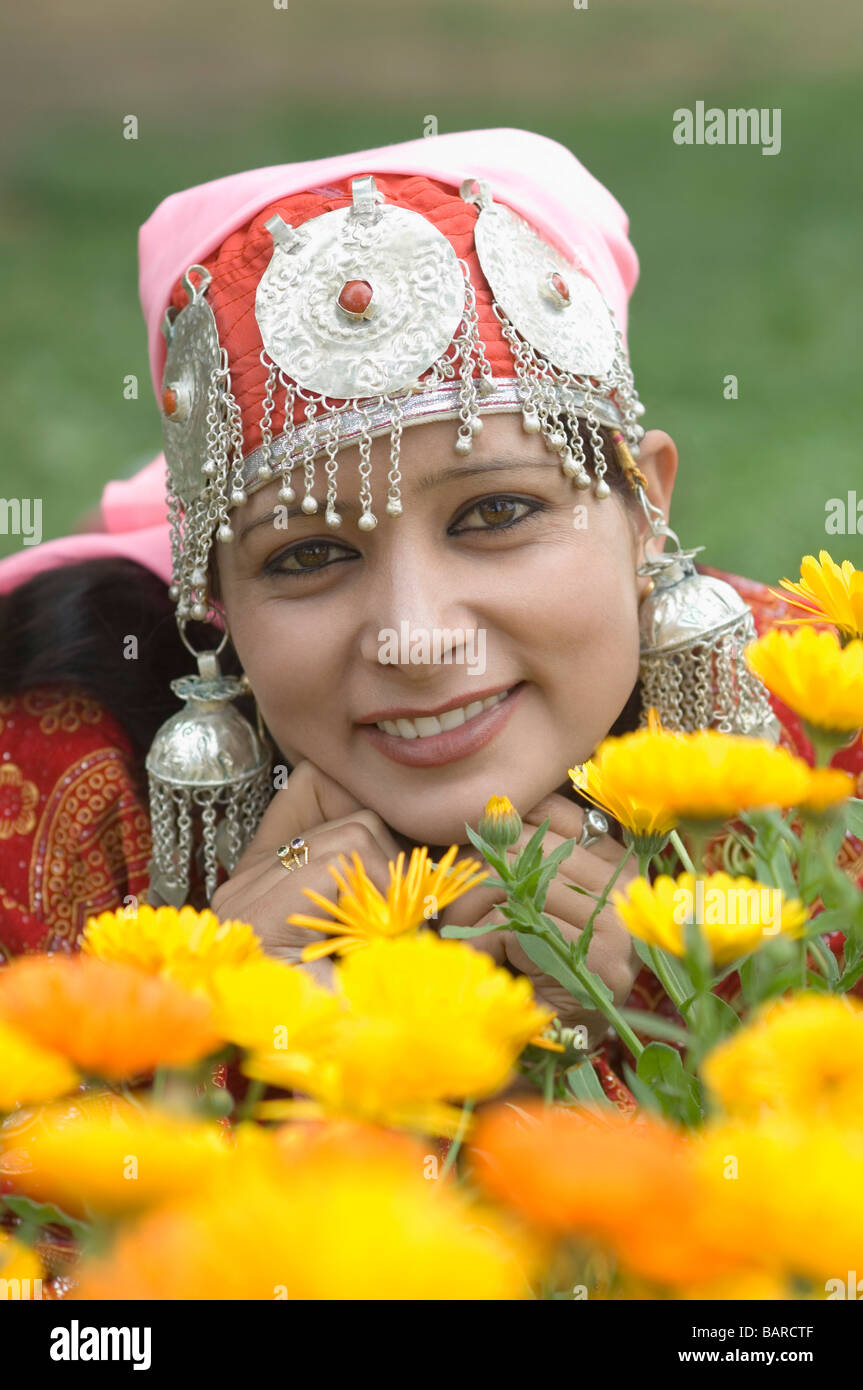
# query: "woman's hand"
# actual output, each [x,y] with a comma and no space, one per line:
[332,822]
[611,953]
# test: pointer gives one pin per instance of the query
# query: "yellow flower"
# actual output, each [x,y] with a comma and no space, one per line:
[802,1056]
[266,1004]
[363,914]
[830,592]
[29,1073]
[351,1215]
[109,1020]
[597,781]
[426,1022]
[813,674]
[185,945]
[790,1191]
[705,775]
[500,822]
[737,915]
[20,1266]
[107,1155]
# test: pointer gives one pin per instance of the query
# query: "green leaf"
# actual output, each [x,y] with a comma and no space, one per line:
[542,955]
[496,860]
[654,1025]
[646,1097]
[661,1068]
[456,933]
[854,816]
[673,964]
[44,1214]
[530,857]
[584,1084]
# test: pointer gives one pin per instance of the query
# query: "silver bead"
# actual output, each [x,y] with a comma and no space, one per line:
[333,519]
[224,533]
[265,472]
[463,444]
[476,425]
[238,497]
[602,489]
[367,522]
[286,493]
[199,611]
[557,440]
[209,469]
[530,421]
[199,579]
[309,505]
[174,592]
[394,507]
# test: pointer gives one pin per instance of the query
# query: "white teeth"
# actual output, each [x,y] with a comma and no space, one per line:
[452,718]
[427,725]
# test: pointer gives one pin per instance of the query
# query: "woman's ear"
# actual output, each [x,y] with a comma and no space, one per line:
[657,460]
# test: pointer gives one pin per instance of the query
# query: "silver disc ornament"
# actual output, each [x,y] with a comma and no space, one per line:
[193,356]
[361,301]
[550,302]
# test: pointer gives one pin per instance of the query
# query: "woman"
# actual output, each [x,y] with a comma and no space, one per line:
[448,314]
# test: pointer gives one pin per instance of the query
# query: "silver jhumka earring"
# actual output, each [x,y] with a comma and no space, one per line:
[206,763]
[693,632]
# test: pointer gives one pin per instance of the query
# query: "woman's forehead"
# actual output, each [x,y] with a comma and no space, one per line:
[427,463]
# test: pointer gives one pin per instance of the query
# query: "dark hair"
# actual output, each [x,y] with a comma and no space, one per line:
[70,626]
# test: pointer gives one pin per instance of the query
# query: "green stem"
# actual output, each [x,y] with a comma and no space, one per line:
[250,1099]
[661,971]
[682,852]
[548,1079]
[457,1138]
[584,975]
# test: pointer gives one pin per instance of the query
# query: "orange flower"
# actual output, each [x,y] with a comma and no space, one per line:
[111,1021]
[627,1185]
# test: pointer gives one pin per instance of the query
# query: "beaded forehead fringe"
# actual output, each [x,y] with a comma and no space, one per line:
[418,356]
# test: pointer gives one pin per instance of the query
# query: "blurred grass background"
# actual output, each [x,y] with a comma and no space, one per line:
[750,263]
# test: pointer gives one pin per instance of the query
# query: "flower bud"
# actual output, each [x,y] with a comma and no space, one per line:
[500,822]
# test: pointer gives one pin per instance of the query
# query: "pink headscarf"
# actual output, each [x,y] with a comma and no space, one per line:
[535,176]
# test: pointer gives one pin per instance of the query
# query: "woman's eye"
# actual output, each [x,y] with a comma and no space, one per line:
[306,558]
[498,513]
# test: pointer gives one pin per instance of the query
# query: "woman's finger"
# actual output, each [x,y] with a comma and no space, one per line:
[566,819]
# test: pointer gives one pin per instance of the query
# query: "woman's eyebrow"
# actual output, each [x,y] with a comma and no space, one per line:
[432,480]
[425,484]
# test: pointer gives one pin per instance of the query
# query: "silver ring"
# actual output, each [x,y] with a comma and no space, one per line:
[594,827]
[294,854]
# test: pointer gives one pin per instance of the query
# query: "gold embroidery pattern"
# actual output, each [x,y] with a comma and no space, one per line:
[93,838]
[60,710]
[18,799]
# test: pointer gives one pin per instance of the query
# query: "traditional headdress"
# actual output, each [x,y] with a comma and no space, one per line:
[309,307]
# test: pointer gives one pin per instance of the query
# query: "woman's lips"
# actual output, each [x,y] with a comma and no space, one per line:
[452,744]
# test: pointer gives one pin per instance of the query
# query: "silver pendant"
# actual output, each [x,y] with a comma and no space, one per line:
[549,301]
[361,301]
[187,387]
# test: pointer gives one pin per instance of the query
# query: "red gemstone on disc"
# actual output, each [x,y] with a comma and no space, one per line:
[355,296]
[560,285]
[169,401]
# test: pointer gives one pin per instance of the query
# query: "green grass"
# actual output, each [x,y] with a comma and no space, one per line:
[750,265]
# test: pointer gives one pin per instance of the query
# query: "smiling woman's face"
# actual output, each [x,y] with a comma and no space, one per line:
[484,585]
